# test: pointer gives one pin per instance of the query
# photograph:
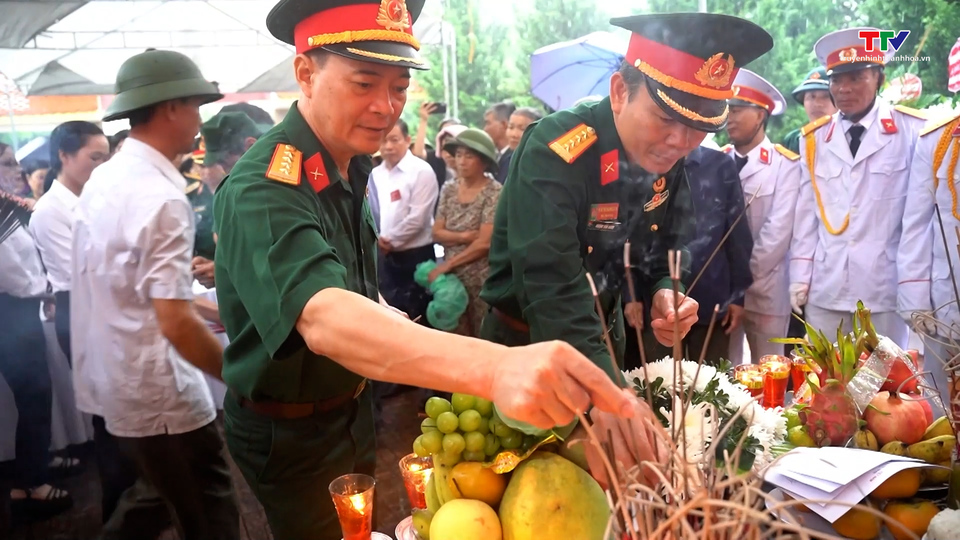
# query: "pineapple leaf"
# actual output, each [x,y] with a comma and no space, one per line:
[789,341]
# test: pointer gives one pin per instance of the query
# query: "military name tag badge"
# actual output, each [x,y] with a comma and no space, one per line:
[604,212]
[395,195]
[657,200]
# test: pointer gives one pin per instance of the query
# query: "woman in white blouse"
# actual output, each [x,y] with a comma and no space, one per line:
[76,148]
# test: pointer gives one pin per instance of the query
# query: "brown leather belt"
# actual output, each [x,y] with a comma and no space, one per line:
[515,324]
[291,411]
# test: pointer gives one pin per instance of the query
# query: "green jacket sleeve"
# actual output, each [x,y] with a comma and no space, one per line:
[544,200]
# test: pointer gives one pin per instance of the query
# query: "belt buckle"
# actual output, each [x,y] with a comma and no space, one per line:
[360,387]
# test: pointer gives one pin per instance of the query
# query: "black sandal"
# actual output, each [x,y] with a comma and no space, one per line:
[33,509]
[67,466]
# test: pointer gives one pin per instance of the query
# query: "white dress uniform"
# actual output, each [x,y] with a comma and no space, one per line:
[771,184]
[849,213]
[923,261]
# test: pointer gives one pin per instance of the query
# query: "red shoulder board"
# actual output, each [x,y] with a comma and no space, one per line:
[316,172]
[889,126]
[609,167]
[764,156]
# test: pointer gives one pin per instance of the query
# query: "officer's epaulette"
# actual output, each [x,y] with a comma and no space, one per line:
[909,111]
[937,123]
[192,187]
[815,125]
[574,143]
[285,165]
[786,152]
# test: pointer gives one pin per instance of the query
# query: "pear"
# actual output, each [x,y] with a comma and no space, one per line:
[940,426]
[895,448]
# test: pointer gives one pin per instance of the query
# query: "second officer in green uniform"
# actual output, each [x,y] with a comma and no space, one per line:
[584,181]
[297,284]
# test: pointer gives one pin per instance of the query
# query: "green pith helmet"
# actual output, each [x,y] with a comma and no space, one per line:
[225,133]
[476,140]
[156,76]
[816,80]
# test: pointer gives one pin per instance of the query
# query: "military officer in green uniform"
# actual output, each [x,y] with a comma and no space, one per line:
[297,284]
[584,181]
[223,139]
[814,95]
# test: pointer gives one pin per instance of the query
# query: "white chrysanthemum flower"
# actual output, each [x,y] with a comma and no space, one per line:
[767,426]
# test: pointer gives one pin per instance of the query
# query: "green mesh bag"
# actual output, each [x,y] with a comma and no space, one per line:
[449,297]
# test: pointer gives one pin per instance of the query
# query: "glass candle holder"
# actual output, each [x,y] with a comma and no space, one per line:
[799,368]
[353,498]
[776,373]
[416,473]
[750,376]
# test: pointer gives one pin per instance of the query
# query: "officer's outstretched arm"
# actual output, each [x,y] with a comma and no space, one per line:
[544,384]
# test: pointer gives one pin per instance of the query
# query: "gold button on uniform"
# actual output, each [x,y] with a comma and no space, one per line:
[654,227]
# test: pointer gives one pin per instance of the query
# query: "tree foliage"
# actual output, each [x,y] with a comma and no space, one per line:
[501,59]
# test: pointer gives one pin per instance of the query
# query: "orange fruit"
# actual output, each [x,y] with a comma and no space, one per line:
[858,524]
[471,480]
[799,506]
[902,485]
[914,514]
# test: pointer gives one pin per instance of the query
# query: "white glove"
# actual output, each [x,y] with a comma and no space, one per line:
[922,322]
[798,296]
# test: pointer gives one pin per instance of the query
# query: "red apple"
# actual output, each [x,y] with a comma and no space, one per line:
[900,372]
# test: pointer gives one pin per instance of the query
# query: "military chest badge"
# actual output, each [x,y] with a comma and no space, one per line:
[659,185]
[393,15]
[285,165]
[656,201]
[716,71]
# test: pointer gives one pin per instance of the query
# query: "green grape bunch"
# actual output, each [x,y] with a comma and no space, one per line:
[465,428]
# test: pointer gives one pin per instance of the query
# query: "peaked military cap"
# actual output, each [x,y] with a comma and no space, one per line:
[225,133]
[155,76]
[817,79]
[753,90]
[844,50]
[690,61]
[367,30]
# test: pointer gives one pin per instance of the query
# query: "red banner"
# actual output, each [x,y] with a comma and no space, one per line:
[953,68]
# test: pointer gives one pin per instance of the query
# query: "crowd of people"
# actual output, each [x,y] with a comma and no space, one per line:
[269,270]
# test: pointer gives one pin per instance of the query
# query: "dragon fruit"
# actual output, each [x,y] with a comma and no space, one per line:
[831,417]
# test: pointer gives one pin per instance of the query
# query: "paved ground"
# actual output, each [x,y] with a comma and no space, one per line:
[397,428]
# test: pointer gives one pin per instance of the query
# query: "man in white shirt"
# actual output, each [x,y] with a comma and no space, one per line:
[770,177]
[23,364]
[407,191]
[853,185]
[137,340]
[495,123]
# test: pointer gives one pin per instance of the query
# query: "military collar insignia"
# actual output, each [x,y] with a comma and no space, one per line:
[285,165]
[716,71]
[393,15]
[727,149]
[609,167]
[764,156]
[574,143]
[889,126]
[316,172]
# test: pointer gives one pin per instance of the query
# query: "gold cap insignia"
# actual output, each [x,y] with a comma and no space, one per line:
[848,55]
[716,71]
[393,15]
[815,75]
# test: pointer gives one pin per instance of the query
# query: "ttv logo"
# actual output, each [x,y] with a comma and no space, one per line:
[895,39]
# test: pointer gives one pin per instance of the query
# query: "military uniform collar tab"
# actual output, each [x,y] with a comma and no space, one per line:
[608,138]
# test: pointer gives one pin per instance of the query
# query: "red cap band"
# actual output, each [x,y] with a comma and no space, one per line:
[750,95]
[709,78]
[851,55]
[353,23]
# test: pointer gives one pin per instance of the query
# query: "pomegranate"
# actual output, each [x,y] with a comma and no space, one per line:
[900,372]
[893,419]
[927,409]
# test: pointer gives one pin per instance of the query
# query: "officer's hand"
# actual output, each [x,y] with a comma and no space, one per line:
[798,296]
[384,245]
[633,312]
[49,309]
[664,313]
[635,440]
[731,321]
[203,271]
[546,384]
